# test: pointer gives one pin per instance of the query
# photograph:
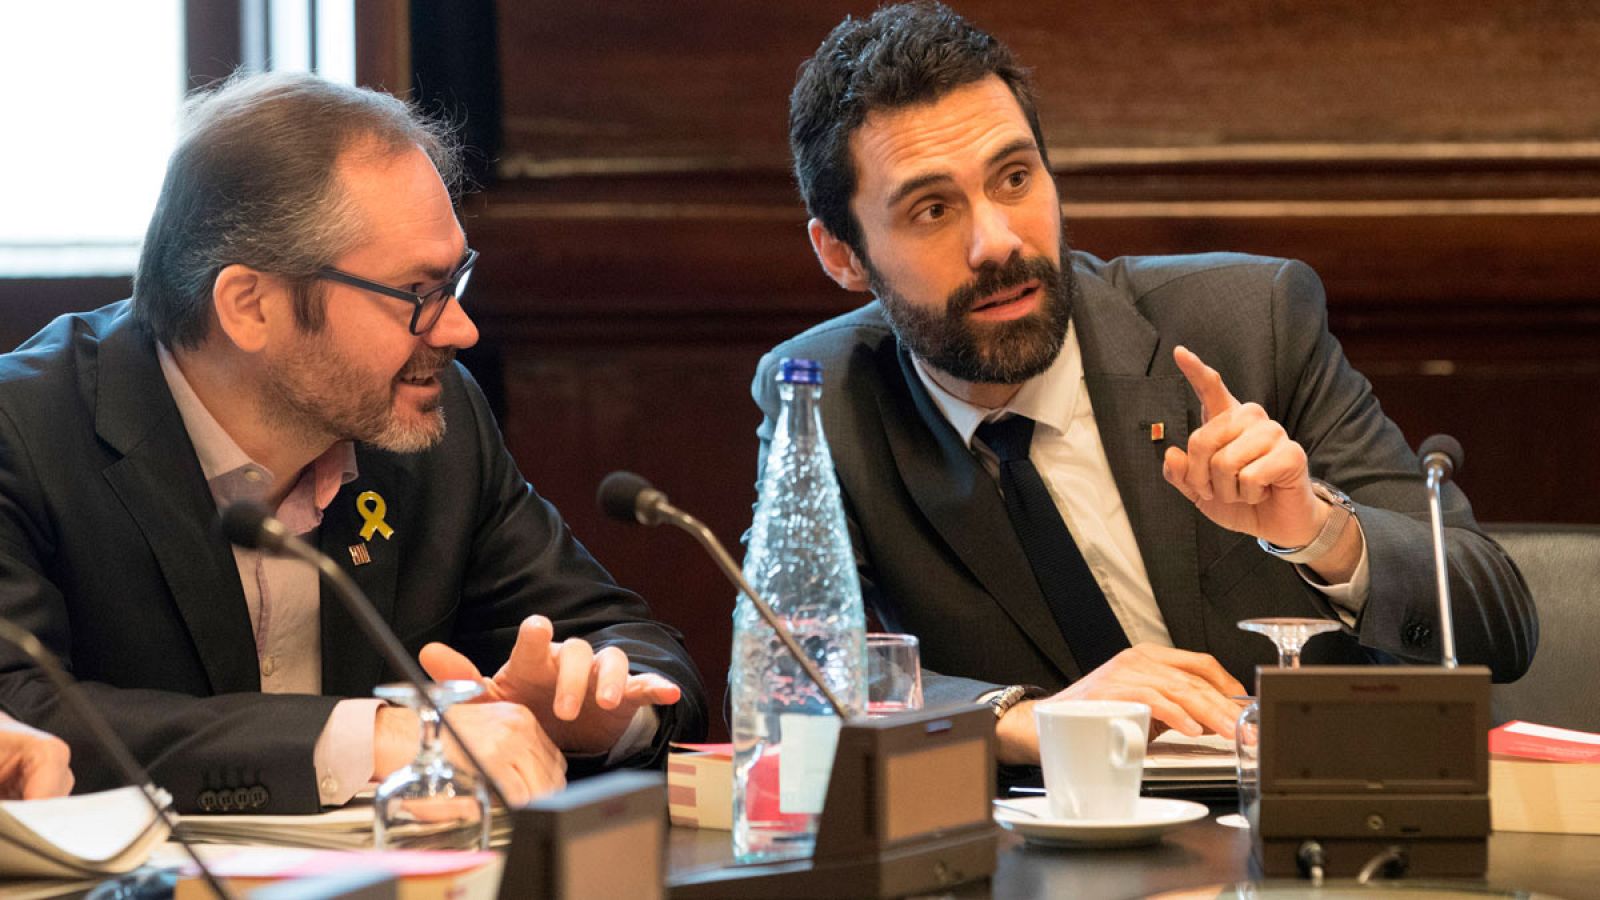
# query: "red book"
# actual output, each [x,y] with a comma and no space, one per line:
[1544,779]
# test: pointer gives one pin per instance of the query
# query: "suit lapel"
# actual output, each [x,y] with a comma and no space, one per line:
[350,664]
[961,501]
[160,482]
[1132,385]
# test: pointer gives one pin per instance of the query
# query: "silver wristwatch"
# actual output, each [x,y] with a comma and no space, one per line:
[1332,529]
[1003,699]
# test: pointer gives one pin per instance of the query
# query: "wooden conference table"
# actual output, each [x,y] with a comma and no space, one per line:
[1200,854]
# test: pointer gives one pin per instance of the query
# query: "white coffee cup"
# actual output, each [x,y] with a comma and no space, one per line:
[1092,753]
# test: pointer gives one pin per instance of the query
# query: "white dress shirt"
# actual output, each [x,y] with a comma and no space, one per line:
[1071,460]
[283,596]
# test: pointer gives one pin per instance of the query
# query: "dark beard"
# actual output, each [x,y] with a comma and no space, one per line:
[987,352]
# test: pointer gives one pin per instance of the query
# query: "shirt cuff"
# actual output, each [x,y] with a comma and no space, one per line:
[342,757]
[1350,597]
[641,731]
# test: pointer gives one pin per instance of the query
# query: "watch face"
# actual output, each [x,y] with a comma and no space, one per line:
[1331,494]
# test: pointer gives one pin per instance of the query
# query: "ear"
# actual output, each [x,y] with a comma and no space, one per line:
[238,297]
[837,259]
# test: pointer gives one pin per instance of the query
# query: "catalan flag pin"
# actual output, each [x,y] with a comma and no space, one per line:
[359,554]
[1158,431]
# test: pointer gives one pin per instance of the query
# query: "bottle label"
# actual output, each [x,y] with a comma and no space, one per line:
[805,760]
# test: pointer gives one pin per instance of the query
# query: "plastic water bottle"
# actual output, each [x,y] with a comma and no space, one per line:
[799,560]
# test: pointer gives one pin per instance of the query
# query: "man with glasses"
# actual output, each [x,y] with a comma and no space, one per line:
[290,341]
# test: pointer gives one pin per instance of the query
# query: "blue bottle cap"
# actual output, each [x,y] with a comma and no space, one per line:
[799,371]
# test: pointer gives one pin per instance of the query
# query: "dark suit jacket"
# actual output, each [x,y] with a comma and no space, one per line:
[108,553]
[939,558]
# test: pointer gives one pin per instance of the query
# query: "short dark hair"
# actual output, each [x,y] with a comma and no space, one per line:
[899,56]
[252,182]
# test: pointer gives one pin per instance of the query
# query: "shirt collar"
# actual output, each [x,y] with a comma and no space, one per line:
[232,475]
[1049,398]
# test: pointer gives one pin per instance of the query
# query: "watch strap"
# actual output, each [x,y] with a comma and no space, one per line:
[1341,510]
[1002,699]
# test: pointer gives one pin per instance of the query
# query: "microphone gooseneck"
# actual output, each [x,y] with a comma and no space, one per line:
[630,498]
[248,524]
[106,737]
[1441,458]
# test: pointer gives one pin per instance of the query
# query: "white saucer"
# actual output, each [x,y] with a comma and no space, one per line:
[1153,817]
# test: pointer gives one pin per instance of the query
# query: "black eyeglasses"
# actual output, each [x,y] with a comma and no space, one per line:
[426,307]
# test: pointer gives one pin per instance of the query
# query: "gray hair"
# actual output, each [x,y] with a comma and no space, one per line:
[252,182]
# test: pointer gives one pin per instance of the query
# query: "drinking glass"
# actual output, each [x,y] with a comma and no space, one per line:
[894,674]
[431,804]
[1289,634]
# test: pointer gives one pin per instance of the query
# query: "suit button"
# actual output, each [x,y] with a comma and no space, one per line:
[207,801]
[241,799]
[258,797]
[1417,634]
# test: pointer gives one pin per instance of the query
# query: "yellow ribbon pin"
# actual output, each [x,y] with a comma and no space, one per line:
[372,508]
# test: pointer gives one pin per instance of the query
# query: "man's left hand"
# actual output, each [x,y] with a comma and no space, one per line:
[583,699]
[1241,469]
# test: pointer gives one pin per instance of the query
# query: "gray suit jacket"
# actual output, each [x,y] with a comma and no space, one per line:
[939,558]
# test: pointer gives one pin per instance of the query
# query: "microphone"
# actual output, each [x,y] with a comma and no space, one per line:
[1441,452]
[249,525]
[624,496]
[631,498]
[72,695]
[1441,458]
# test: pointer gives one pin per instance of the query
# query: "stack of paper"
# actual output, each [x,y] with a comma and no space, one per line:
[1175,764]
[421,874]
[1544,779]
[104,833]
[346,828]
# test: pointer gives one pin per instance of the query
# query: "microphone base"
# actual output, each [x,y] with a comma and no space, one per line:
[908,811]
[928,867]
[1365,760]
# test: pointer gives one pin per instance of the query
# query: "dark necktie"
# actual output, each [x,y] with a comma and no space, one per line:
[1075,599]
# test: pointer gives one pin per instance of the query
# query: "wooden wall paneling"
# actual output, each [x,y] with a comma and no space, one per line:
[1527,431]
[28,304]
[383,45]
[632,85]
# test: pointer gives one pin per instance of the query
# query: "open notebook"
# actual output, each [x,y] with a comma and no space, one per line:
[1178,764]
[104,833]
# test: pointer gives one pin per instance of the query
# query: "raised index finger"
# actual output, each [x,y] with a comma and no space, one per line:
[1207,384]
